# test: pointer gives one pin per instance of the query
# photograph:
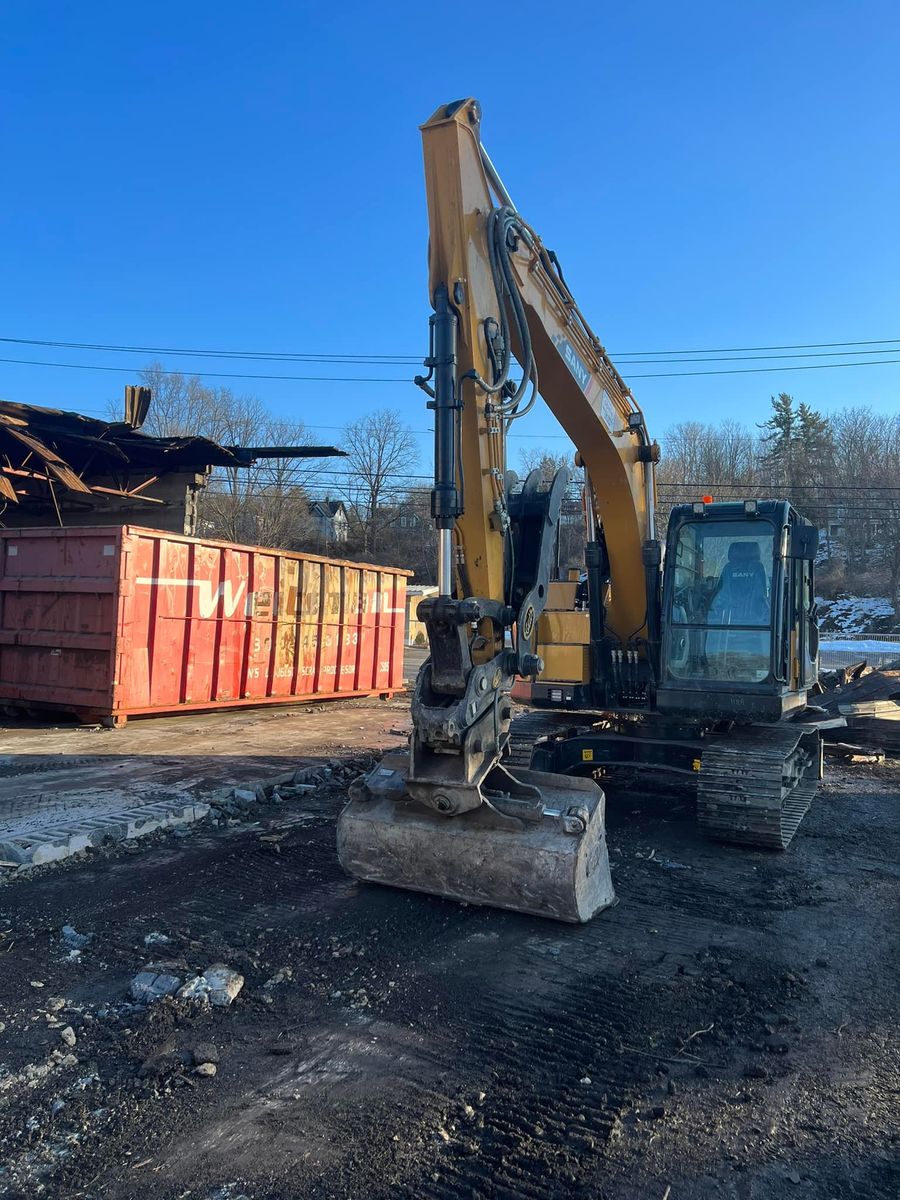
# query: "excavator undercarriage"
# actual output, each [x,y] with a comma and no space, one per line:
[752,784]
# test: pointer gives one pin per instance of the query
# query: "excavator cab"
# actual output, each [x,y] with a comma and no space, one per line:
[740,639]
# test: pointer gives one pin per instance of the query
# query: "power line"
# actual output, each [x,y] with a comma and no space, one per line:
[28,362]
[253,355]
[766,370]
[405,379]
[747,349]
[414,359]
[793,487]
[751,357]
[315,473]
[564,437]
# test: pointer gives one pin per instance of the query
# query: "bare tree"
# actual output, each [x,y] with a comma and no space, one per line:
[265,503]
[381,454]
[410,538]
[548,464]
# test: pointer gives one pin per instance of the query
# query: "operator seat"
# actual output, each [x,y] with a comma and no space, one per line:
[742,594]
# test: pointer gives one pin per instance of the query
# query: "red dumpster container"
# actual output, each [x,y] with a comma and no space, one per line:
[111,622]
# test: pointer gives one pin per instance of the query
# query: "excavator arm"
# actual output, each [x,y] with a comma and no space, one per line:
[451,818]
[492,282]
[500,297]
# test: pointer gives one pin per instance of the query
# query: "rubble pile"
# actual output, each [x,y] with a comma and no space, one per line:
[869,701]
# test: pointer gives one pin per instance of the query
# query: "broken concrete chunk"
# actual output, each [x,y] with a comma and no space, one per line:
[224,984]
[13,855]
[205,1070]
[156,939]
[218,986]
[68,1035]
[73,939]
[244,796]
[155,981]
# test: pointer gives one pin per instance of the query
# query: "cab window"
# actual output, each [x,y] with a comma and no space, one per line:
[721,610]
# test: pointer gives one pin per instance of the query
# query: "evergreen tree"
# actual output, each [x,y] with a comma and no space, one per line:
[814,436]
[781,439]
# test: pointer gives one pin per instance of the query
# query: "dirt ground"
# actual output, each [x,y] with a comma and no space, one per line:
[729,1029]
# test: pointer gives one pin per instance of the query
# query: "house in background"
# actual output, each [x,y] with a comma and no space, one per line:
[330,520]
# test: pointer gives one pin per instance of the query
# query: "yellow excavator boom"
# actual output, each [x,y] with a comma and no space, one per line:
[577,380]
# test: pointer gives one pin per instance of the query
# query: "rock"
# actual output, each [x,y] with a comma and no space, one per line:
[218,986]
[468,1111]
[205,1070]
[793,1176]
[68,1035]
[205,1052]
[244,796]
[13,855]
[823,962]
[75,940]
[153,982]
[36,983]
[279,977]
[56,1004]
[585,1079]
[224,984]
[156,939]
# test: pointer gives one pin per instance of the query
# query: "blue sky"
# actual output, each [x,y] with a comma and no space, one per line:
[249,177]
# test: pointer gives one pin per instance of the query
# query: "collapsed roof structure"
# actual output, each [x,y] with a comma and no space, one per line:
[63,468]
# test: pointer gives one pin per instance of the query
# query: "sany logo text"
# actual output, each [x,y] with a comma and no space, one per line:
[572,361]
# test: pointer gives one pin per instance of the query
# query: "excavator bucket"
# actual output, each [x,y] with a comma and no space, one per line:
[553,863]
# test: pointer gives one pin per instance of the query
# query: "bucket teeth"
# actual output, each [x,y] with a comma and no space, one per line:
[554,867]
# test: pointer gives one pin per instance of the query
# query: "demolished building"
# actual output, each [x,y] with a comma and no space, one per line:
[62,468]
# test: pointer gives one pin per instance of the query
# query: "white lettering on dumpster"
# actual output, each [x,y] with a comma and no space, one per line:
[208,597]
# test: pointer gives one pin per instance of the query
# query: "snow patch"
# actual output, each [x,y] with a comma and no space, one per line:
[855,616]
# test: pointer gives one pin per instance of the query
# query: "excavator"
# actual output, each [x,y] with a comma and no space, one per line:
[695,661]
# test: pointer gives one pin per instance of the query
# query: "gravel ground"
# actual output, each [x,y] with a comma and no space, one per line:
[728,1030]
